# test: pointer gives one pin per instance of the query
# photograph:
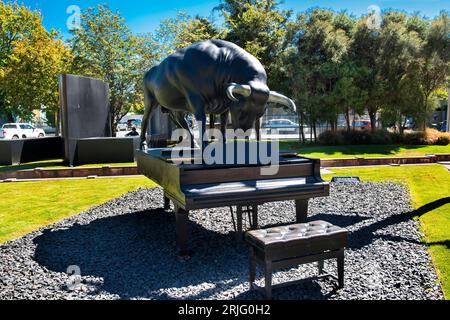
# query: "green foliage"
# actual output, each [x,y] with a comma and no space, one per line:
[325,78]
[330,63]
[357,137]
[259,27]
[182,31]
[31,58]
[374,137]
[105,48]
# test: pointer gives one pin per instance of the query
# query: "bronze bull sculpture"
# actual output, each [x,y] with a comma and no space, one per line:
[213,77]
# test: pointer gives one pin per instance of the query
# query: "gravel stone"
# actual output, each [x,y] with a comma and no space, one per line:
[125,249]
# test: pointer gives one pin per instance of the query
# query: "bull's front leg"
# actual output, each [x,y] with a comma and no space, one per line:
[198,106]
[201,120]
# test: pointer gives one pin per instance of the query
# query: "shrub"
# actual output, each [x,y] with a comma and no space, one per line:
[435,137]
[429,137]
[357,137]
[383,137]
[413,138]
[362,137]
[331,138]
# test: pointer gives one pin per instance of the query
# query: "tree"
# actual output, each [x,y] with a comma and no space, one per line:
[259,27]
[31,58]
[364,52]
[433,64]
[182,31]
[105,48]
[320,64]
[398,50]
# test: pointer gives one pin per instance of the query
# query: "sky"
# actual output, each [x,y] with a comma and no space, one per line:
[146,15]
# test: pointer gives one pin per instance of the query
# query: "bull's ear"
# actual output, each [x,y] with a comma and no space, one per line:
[234,89]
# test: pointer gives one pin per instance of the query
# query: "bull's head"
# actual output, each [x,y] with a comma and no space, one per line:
[250,103]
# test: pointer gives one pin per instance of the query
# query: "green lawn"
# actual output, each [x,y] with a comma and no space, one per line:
[369,151]
[28,206]
[430,190]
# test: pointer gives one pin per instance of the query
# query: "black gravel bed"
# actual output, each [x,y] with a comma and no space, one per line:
[125,249]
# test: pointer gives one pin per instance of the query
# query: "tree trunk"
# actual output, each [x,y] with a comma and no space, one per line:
[347,119]
[400,124]
[373,119]
[423,122]
[302,131]
[113,127]
[9,117]
[315,132]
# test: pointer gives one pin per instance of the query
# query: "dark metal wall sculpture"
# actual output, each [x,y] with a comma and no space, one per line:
[85,111]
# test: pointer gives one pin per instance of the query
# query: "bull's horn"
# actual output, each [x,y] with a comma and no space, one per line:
[243,90]
[276,97]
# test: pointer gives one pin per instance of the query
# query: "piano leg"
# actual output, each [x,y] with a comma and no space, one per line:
[301,210]
[182,230]
[166,203]
[254,218]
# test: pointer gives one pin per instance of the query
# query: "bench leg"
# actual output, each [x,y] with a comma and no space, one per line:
[182,230]
[321,266]
[166,203]
[253,218]
[301,210]
[268,279]
[252,268]
[340,264]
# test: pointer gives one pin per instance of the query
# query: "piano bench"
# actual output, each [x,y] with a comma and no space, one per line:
[289,246]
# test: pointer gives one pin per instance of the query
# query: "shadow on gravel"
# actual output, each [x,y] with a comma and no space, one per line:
[135,255]
[367,234]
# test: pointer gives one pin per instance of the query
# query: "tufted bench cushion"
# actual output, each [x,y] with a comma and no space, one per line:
[282,247]
[307,238]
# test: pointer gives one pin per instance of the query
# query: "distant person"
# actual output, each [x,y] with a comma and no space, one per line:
[133,133]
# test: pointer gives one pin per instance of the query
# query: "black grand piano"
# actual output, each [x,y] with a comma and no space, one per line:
[200,186]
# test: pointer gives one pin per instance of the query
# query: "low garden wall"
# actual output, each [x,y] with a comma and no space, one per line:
[359,162]
[14,152]
[108,171]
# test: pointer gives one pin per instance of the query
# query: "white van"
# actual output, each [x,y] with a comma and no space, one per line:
[15,131]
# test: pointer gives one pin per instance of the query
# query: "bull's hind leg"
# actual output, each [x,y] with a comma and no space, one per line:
[150,107]
[180,119]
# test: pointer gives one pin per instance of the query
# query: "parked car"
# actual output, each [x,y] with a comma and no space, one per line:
[134,123]
[122,126]
[442,126]
[362,124]
[49,131]
[282,125]
[15,131]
